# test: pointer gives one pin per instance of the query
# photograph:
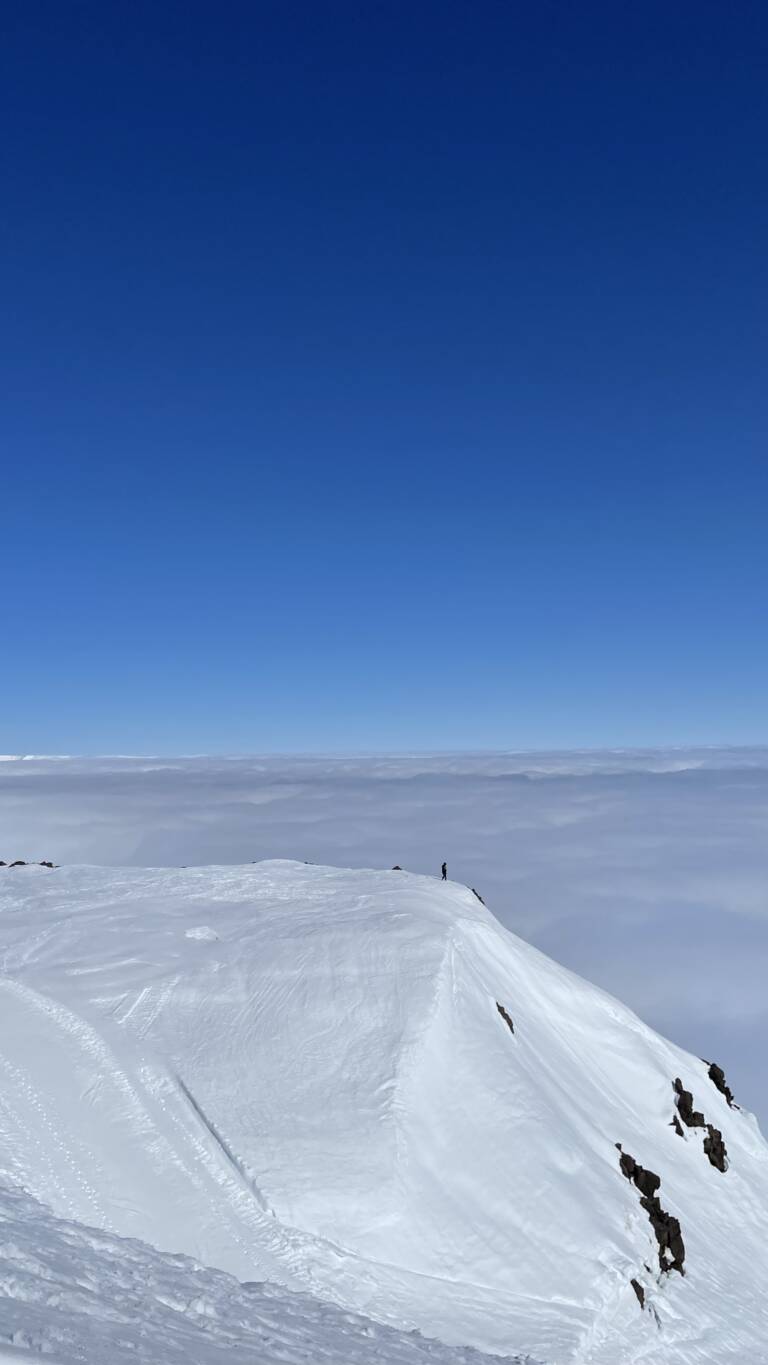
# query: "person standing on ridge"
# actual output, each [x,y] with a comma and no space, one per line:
[444,870]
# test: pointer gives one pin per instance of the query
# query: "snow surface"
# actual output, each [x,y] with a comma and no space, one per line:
[82,1297]
[300,1074]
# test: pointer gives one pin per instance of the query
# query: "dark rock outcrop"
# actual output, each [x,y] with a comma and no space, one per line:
[690,1116]
[19,863]
[479,897]
[627,1163]
[676,1124]
[665,1226]
[647,1182]
[717,1077]
[397,868]
[715,1148]
[638,1288]
[668,1235]
[505,1017]
[46,864]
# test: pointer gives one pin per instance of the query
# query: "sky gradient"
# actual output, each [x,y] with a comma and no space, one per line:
[383,376]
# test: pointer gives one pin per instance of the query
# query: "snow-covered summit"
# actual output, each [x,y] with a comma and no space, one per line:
[357,1084]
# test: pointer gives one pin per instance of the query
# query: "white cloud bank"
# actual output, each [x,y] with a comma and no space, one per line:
[646,872]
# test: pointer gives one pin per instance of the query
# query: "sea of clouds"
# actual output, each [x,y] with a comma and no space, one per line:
[645,871]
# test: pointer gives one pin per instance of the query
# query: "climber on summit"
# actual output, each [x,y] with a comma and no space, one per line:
[444,870]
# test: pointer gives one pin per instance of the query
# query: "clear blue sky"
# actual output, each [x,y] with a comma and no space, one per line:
[383,375]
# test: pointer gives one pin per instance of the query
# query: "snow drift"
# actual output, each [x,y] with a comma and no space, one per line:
[358,1085]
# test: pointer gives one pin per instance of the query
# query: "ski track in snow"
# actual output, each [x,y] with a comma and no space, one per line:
[319,1091]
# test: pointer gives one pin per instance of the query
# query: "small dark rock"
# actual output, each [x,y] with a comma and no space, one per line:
[715,1148]
[19,863]
[628,1164]
[638,1288]
[677,1126]
[647,1181]
[690,1116]
[479,897]
[505,1017]
[675,1244]
[46,864]
[668,1235]
[397,868]
[717,1077]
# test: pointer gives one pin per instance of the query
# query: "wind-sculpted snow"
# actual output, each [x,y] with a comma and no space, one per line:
[359,1086]
[79,1297]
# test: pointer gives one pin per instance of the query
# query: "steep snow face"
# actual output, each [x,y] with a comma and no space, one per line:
[359,1084]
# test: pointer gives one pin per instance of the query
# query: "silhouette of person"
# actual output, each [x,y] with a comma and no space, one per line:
[444,871]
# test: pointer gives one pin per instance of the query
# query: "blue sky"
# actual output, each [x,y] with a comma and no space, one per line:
[383,376]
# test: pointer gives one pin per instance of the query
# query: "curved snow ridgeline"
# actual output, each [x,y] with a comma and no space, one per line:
[358,1085]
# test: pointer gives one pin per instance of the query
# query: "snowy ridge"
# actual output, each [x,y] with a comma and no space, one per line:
[358,1085]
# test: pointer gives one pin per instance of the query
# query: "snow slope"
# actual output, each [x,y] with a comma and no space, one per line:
[81,1297]
[301,1074]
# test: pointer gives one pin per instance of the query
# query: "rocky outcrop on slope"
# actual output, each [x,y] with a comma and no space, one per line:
[692,1118]
[717,1077]
[666,1227]
[714,1146]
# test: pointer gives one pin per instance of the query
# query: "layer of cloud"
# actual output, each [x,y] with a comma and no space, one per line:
[645,871]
